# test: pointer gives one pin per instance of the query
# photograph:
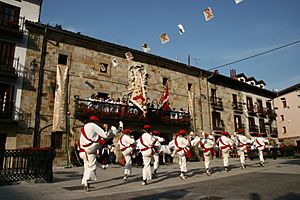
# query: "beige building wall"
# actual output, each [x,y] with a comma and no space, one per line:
[288,116]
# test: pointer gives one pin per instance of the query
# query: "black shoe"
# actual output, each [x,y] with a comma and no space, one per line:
[261,164]
[243,166]
[208,172]
[125,178]
[155,174]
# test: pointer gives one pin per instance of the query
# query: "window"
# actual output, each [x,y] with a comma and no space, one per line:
[7,52]
[284,129]
[284,104]
[218,123]
[238,122]
[190,86]
[259,104]
[103,67]
[262,127]
[62,59]
[165,80]
[234,99]
[56,140]
[281,117]
[9,14]
[249,103]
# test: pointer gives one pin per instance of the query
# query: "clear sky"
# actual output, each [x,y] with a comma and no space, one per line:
[237,31]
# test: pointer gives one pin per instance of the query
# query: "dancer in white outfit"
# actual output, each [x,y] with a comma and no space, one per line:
[92,136]
[158,149]
[127,145]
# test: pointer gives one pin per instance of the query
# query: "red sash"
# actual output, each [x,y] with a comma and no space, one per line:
[187,152]
[260,145]
[203,148]
[124,147]
[241,144]
[224,145]
[145,146]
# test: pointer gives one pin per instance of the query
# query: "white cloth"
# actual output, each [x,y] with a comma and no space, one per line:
[124,143]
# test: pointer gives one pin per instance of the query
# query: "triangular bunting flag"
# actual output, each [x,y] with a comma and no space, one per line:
[208,14]
[164,38]
[181,29]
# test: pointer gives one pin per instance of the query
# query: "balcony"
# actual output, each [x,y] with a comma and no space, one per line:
[12,28]
[253,128]
[9,67]
[108,112]
[218,125]
[251,110]
[237,107]
[240,127]
[216,103]
[270,113]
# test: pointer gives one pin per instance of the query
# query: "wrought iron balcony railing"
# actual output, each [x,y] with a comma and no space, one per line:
[216,103]
[106,110]
[237,106]
[9,67]
[253,128]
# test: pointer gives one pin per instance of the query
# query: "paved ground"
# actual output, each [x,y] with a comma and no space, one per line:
[279,179]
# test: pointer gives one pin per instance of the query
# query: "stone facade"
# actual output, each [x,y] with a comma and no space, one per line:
[86,58]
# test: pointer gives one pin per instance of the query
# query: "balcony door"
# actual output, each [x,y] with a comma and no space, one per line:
[7,52]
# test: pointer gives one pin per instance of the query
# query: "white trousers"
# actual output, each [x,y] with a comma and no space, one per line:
[90,166]
[128,164]
[182,163]
[225,155]
[261,156]
[156,161]
[147,168]
[206,160]
[242,156]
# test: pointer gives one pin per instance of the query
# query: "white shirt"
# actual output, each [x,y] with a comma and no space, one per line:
[125,141]
[93,133]
[241,142]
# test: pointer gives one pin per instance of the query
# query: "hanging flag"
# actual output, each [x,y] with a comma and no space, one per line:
[208,14]
[181,29]
[191,95]
[138,96]
[238,1]
[146,48]
[164,99]
[60,106]
[164,38]
[128,55]
[114,62]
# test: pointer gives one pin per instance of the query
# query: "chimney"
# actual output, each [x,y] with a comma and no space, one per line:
[233,73]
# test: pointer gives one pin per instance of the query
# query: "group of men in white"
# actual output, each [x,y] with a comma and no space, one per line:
[149,145]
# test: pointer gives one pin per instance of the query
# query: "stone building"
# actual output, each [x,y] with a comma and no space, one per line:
[13,42]
[209,101]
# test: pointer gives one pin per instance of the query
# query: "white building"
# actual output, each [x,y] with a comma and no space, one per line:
[288,114]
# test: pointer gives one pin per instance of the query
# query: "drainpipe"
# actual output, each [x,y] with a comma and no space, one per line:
[37,122]
[200,102]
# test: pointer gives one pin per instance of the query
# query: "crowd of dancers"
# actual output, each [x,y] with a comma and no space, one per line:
[149,144]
